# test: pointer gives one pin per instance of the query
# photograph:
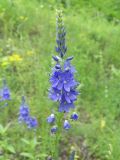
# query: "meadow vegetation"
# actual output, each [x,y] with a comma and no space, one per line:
[27,43]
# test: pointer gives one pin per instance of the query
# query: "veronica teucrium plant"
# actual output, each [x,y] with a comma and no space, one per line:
[5,95]
[25,117]
[62,79]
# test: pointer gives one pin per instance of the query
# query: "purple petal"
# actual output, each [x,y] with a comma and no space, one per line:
[73,97]
[60,85]
[55,82]
[73,83]
[66,125]
[54,97]
[67,98]
[67,87]
[70,105]
[65,107]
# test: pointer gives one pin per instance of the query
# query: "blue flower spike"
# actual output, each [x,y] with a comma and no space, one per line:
[32,122]
[62,78]
[63,83]
[63,88]
[23,111]
[60,39]
[5,92]
[24,115]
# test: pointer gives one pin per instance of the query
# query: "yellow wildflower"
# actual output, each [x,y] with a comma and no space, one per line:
[4,64]
[15,58]
[102,124]
[4,61]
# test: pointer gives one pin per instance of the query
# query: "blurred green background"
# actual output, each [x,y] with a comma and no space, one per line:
[27,42]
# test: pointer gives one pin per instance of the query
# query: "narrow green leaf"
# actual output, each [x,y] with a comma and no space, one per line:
[29,155]
[11,149]
[25,141]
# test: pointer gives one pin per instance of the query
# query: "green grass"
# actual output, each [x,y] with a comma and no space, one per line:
[93,38]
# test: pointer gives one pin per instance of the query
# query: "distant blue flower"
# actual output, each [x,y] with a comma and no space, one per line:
[4,92]
[54,129]
[24,111]
[66,125]
[74,116]
[31,122]
[51,118]
[24,115]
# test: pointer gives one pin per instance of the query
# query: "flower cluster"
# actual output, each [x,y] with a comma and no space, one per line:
[15,58]
[4,93]
[24,115]
[66,125]
[8,60]
[63,83]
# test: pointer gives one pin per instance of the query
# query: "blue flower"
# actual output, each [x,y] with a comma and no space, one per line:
[66,125]
[55,94]
[68,66]
[70,96]
[54,129]
[31,122]
[65,107]
[55,77]
[24,115]
[63,86]
[5,92]
[51,118]
[24,111]
[67,81]
[62,79]
[74,116]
